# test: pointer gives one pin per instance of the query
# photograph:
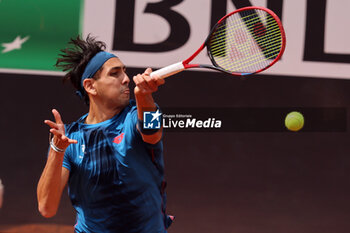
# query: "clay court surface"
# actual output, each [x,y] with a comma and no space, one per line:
[37,228]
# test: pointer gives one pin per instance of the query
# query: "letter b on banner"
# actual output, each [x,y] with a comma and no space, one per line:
[124,27]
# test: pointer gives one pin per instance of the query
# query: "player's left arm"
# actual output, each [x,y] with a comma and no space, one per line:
[145,86]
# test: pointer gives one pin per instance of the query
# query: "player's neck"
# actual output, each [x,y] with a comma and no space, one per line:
[100,112]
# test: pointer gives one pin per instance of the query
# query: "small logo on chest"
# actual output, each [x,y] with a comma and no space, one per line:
[83,150]
[118,139]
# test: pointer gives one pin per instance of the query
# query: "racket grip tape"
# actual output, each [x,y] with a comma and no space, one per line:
[169,70]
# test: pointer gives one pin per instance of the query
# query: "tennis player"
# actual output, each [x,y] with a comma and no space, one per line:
[114,168]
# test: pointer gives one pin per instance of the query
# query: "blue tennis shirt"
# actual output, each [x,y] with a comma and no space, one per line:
[116,181]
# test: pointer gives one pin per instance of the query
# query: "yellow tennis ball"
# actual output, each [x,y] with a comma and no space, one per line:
[294,121]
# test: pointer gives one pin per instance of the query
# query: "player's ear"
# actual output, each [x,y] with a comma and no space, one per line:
[89,86]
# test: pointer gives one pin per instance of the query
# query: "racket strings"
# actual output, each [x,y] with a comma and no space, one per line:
[246,42]
[246,61]
[249,25]
[245,47]
[217,46]
[233,27]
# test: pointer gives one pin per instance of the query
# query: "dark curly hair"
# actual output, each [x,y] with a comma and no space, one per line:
[75,58]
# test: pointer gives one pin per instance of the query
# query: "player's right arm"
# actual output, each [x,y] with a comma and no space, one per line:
[54,177]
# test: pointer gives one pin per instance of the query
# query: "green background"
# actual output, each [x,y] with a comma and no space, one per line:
[49,24]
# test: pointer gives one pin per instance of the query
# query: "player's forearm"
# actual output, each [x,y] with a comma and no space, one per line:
[144,102]
[49,186]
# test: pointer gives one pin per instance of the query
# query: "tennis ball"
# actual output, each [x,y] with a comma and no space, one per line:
[294,121]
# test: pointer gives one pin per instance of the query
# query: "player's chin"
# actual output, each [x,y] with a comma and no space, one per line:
[126,96]
[125,99]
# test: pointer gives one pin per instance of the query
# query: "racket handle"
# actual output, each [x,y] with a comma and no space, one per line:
[169,70]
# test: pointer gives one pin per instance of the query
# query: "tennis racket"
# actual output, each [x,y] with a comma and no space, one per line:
[243,42]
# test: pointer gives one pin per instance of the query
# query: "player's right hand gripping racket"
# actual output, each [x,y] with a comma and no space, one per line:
[243,42]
